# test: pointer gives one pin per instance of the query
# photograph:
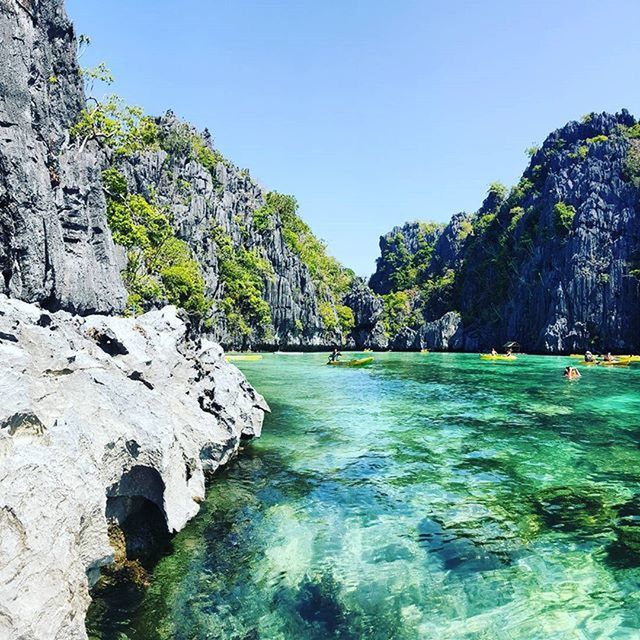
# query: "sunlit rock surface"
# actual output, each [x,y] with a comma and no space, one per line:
[55,246]
[100,416]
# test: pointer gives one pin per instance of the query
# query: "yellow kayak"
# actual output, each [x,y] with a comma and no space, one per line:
[351,363]
[424,350]
[628,358]
[244,357]
[499,356]
[367,350]
[604,363]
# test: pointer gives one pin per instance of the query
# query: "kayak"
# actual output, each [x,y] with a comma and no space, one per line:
[367,350]
[360,362]
[424,350]
[243,357]
[604,363]
[621,358]
[499,356]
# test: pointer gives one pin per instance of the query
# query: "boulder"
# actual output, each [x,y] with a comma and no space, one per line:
[102,419]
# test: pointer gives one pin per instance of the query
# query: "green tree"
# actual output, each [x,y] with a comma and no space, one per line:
[113,124]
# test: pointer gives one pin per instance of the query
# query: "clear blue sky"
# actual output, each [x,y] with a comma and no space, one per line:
[371,112]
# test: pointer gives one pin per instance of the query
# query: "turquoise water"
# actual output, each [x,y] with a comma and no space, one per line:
[427,496]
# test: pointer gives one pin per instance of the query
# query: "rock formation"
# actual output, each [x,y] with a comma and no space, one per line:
[55,246]
[552,264]
[102,419]
[368,331]
[223,199]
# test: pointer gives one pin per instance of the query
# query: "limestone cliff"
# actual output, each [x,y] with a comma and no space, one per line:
[552,263]
[267,280]
[236,227]
[55,246]
[102,419]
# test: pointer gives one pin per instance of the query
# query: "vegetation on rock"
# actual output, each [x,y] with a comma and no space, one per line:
[160,267]
[488,266]
[243,273]
[564,216]
[327,273]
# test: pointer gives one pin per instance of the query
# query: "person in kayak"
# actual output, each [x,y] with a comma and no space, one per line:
[588,357]
[608,357]
[571,373]
[335,355]
[508,353]
[493,352]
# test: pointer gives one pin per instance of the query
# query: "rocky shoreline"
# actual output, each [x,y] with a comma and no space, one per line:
[103,420]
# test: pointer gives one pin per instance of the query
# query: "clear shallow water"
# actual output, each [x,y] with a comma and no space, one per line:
[427,496]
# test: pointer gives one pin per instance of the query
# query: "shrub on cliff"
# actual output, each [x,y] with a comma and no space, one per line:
[398,311]
[326,272]
[159,267]
[346,318]
[564,214]
[120,127]
[180,140]
[631,167]
[328,316]
[242,274]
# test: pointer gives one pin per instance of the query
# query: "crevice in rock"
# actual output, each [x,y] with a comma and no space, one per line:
[44,320]
[138,531]
[107,341]
[56,373]
[139,482]
[143,526]
[138,377]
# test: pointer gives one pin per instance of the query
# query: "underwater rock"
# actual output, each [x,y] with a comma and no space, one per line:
[627,527]
[572,508]
[455,550]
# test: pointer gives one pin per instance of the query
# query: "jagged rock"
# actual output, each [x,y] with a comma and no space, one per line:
[368,332]
[407,339]
[88,433]
[55,246]
[396,248]
[516,270]
[443,334]
[199,200]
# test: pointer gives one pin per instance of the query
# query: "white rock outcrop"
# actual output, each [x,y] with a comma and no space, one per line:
[96,415]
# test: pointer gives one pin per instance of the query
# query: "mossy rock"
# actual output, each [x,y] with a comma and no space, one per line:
[572,508]
[628,525]
[628,534]
[122,572]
